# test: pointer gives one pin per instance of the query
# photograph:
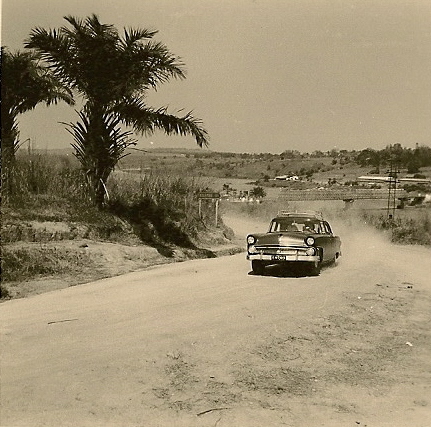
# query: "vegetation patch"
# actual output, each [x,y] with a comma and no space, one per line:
[180,380]
[275,381]
[163,209]
[30,261]
[403,229]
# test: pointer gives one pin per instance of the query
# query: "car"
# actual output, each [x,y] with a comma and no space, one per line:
[294,239]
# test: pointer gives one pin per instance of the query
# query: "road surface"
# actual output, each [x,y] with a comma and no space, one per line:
[206,343]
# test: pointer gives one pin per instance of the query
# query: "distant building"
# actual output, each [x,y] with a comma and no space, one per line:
[287,178]
[376,178]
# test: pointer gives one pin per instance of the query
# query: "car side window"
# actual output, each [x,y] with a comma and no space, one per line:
[276,226]
[327,228]
[318,228]
[309,228]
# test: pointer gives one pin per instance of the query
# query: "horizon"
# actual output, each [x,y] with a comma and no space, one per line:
[70,150]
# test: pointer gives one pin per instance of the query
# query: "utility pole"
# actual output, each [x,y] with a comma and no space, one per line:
[392,187]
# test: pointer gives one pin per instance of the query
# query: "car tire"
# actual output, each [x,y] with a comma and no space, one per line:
[332,261]
[258,267]
[315,268]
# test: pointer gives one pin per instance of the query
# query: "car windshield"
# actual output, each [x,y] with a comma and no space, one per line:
[302,225]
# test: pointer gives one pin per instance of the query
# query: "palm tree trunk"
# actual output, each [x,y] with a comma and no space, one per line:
[97,188]
[94,154]
[9,136]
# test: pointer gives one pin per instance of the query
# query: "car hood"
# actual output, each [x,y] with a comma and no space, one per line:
[281,239]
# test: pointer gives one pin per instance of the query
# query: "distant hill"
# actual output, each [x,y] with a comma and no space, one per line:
[40,151]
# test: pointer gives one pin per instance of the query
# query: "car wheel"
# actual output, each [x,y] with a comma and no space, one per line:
[333,261]
[315,268]
[258,267]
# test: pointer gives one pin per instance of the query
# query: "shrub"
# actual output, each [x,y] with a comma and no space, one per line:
[4,293]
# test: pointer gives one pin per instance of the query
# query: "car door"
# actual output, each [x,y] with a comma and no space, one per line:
[326,241]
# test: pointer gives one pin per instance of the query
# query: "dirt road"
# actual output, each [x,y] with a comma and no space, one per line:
[205,343]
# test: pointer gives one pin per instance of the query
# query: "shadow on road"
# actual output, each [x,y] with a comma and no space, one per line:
[283,271]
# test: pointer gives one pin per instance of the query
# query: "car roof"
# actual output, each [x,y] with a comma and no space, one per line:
[305,215]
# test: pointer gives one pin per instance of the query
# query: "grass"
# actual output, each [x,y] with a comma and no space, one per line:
[161,207]
[23,263]
[42,174]
[46,188]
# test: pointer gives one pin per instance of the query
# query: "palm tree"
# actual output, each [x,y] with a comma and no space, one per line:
[112,74]
[25,83]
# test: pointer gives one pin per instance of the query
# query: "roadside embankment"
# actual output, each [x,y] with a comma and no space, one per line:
[39,257]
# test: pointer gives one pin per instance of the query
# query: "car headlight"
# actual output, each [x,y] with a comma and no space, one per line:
[309,241]
[251,240]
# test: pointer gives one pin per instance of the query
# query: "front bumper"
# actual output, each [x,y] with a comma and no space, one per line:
[284,255]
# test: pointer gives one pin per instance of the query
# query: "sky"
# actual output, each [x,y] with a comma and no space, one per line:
[266,75]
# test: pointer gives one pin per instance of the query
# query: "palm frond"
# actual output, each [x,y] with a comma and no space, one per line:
[57,49]
[134,35]
[159,64]
[76,23]
[147,120]
[92,58]
[26,83]
[99,151]
[97,29]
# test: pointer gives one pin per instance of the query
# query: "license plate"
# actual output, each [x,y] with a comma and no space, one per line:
[279,257]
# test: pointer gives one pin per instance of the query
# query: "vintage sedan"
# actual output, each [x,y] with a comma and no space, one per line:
[294,239]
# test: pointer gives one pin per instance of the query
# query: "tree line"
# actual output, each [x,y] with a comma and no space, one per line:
[110,74]
[411,159]
[408,158]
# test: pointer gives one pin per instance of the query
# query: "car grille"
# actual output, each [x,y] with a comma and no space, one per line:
[280,250]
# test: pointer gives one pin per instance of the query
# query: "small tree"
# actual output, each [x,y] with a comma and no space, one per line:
[257,192]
